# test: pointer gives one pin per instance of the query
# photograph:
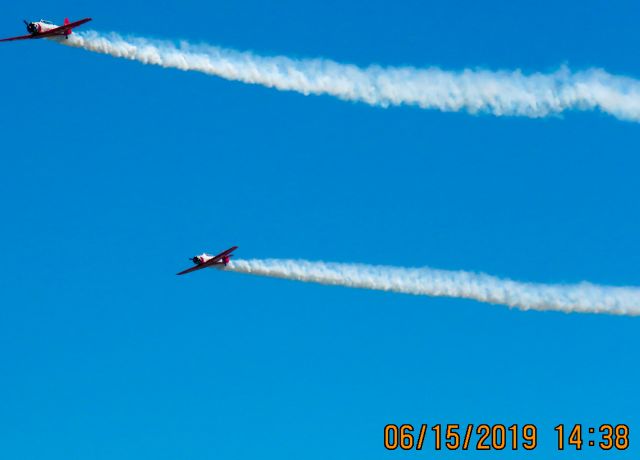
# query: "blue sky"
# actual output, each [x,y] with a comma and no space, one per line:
[114,173]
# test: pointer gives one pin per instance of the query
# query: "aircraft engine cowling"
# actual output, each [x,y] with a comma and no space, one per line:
[32,28]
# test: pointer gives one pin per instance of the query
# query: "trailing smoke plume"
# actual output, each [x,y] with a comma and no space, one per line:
[475,91]
[583,297]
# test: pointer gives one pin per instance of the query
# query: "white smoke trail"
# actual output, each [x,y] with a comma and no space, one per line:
[583,297]
[500,92]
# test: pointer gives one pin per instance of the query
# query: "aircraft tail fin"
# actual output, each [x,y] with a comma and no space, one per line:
[66,23]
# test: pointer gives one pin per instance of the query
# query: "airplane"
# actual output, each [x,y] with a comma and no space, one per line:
[205,260]
[47,29]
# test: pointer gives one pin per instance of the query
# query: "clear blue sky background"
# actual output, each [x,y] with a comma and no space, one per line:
[114,173]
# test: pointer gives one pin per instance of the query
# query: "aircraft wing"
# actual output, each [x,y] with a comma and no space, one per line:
[226,253]
[193,269]
[216,260]
[23,37]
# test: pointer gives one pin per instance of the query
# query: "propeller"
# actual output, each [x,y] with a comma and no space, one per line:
[30,27]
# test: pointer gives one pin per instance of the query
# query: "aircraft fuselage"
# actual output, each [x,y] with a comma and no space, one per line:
[42,26]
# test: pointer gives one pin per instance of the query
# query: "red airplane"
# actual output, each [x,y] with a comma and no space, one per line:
[205,260]
[46,29]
